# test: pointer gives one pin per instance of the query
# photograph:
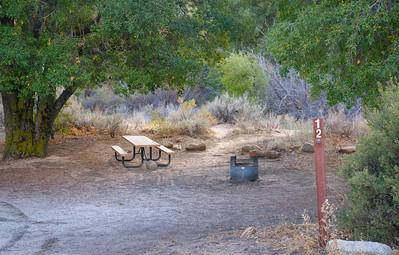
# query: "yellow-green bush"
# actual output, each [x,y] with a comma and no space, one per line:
[242,74]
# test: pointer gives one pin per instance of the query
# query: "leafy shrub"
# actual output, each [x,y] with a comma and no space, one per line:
[373,174]
[242,74]
[207,86]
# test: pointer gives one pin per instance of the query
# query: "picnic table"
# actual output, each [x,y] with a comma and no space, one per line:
[144,147]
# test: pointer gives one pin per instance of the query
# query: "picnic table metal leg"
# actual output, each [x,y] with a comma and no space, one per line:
[138,152]
[141,152]
[149,156]
[159,155]
[168,163]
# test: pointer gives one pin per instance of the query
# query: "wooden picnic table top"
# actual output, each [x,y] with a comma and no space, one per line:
[139,140]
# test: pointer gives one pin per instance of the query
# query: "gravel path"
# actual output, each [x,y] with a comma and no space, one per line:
[80,201]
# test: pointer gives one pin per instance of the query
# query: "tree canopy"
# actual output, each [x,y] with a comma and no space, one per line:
[47,45]
[140,43]
[349,49]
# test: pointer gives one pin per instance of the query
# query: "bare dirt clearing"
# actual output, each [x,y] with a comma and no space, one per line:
[79,200]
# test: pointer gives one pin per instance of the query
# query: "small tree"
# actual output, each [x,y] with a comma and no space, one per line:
[373,174]
[242,74]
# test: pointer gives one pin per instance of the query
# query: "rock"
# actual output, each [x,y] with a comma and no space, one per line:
[307,147]
[347,149]
[357,248]
[295,147]
[176,147]
[177,140]
[168,145]
[151,165]
[247,148]
[268,154]
[248,232]
[195,147]
[277,145]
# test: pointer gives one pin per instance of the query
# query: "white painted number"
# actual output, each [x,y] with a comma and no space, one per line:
[318,123]
[318,129]
[318,133]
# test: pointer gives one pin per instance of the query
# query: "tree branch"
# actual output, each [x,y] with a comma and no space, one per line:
[62,99]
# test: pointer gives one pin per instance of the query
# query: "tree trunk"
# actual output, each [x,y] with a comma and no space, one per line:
[19,128]
[29,124]
[44,120]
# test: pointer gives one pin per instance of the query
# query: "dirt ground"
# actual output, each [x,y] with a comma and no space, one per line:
[79,200]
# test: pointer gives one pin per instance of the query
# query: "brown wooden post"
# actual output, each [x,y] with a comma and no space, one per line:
[320,167]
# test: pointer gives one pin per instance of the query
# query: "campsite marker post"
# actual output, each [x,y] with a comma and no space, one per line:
[320,166]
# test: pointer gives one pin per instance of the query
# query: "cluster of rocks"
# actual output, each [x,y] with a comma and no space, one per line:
[257,151]
[188,147]
[273,149]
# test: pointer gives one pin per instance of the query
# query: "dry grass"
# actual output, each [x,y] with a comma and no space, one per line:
[339,124]
[303,238]
[75,120]
[183,119]
[297,131]
[292,238]
[186,119]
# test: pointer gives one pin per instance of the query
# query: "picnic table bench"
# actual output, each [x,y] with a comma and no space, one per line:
[142,146]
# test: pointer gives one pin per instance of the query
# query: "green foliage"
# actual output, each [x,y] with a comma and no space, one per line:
[346,48]
[42,45]
[257,16]
[141,44]
[242,74]
[373,174]
[132,44]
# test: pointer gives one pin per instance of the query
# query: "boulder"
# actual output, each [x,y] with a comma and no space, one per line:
[168,145]
[307,147]
[268,154]
[357,248]
[196,147]
[248,148]
[277,145]
[295,147]
[151,165]
[176,147]
[347,149]
[248,232]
